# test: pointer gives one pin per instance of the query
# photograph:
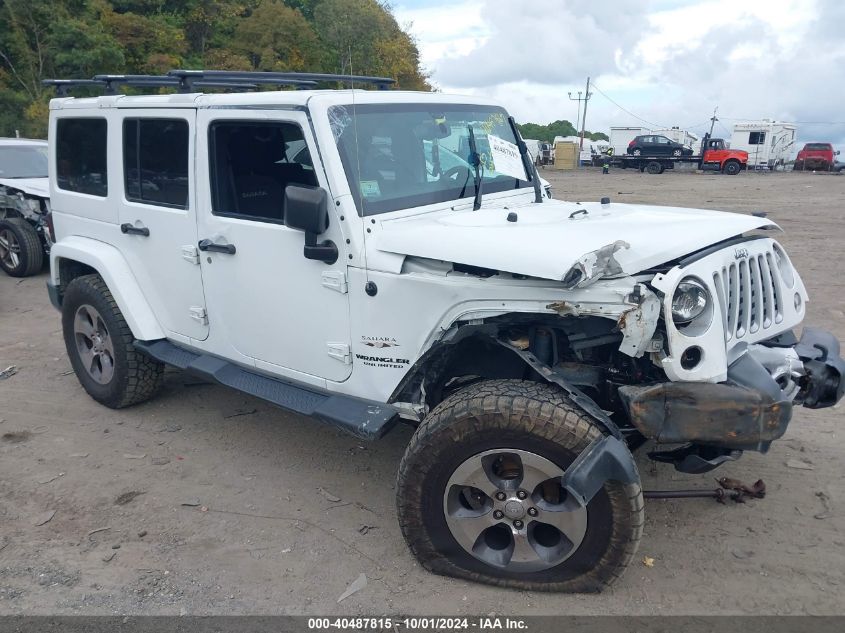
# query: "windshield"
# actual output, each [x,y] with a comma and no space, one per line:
[409,155]
[23,162]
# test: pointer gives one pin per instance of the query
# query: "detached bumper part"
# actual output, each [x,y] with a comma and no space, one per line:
[722,415]
[819,351]
[747,412]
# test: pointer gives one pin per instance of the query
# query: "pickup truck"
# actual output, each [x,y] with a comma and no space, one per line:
[818,156]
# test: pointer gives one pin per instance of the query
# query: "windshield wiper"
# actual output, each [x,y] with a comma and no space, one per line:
[475,161]
[530,167]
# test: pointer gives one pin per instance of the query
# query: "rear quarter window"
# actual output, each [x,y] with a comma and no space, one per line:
[81,155]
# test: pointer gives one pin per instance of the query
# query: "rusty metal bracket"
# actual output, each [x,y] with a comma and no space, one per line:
[728,489]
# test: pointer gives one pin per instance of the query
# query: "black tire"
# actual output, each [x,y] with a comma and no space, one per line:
[677,152]
[636,151]
[654,168]
[526,416]
[26,246]
[135,377]
[731,168]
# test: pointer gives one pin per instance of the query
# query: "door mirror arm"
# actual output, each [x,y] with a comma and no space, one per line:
[324,251]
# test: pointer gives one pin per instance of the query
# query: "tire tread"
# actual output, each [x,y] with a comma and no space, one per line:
[536,408]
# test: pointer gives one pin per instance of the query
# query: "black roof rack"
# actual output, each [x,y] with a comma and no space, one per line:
[382,83]
[187,81]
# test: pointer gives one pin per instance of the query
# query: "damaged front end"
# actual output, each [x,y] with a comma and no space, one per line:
[15,203]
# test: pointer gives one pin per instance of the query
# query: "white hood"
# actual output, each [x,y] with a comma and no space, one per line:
[33,186]
[546,242]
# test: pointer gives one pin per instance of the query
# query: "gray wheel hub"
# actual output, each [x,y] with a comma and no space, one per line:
[507,508]
[94,344]
[9,249]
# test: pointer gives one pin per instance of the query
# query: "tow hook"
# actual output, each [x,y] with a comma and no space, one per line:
[728,489]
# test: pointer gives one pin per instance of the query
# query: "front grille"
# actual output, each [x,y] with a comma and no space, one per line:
[749,291]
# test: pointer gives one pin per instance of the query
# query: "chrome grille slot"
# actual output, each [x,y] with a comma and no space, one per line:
[749,292]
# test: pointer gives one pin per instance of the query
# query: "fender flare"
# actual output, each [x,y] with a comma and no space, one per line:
[113,268]
[491,333]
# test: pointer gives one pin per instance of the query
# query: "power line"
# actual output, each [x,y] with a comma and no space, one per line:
[639,118]
[727,118]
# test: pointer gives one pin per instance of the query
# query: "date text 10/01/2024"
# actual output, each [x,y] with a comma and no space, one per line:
[418,623]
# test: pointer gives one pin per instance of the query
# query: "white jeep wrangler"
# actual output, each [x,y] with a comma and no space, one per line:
[369,256]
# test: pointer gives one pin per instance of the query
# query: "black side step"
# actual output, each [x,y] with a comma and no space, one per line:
[362,418]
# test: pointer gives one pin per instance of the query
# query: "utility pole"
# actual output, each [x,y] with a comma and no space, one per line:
[579,100]
[587,96]
[713,120]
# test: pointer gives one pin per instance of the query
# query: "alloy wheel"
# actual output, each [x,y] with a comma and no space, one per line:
[10,249]
[94,344]
[507,508]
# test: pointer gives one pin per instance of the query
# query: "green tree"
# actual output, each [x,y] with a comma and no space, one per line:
[276,37]
[363,37]
[150,44]
[548,132]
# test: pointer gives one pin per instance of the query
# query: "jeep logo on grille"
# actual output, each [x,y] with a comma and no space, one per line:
[740,253]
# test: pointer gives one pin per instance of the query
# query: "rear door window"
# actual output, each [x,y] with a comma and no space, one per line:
[81,155]
[155,161]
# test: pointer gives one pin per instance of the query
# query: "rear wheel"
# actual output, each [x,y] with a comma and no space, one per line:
[100,346]
[479,493]
[731,168]
[655,168]
[637,152]
[21,253]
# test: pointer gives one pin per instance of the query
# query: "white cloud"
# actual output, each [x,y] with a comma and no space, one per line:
[668,63]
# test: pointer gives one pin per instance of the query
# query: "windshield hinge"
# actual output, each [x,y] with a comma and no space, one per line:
[335,280]
[340,351]
[191,254]
[199,314]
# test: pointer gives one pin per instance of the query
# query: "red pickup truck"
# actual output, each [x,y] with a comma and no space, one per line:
[818,156]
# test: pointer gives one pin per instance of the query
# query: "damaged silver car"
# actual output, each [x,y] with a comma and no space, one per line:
[25,237]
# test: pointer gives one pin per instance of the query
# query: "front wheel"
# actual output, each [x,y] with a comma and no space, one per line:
[677,152]
[21,253]
[479,493]
[731,168]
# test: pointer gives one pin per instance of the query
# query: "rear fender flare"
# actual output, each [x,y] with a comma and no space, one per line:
[113,268]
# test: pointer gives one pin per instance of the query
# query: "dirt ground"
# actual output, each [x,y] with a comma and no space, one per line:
[205,501]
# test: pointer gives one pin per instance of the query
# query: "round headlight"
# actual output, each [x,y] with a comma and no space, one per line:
[689,301]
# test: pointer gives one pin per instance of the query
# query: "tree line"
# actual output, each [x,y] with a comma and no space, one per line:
[548,132]
[42,39]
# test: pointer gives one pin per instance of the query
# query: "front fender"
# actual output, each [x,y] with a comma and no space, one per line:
[112,267]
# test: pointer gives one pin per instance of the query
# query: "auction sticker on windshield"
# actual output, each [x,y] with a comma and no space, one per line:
[506,158]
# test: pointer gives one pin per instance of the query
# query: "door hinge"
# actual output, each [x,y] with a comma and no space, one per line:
[191,254]
[199,314]
[341,352]
[335,280]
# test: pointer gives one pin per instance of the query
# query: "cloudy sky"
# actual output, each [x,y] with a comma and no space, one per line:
[655,63]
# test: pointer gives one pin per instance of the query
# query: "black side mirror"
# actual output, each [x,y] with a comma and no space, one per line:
[307,209]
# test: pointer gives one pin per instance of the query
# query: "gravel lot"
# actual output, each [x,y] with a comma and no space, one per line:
[204,501]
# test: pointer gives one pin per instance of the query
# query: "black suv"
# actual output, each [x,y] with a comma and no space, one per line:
[656,145]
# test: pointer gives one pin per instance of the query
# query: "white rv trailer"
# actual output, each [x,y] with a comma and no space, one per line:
[768,143]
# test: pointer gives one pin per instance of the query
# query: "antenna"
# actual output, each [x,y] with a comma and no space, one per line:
[370,290]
